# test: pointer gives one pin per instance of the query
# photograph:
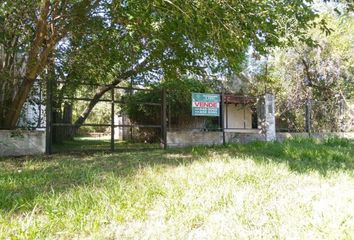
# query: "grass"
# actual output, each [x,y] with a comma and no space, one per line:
[300,189]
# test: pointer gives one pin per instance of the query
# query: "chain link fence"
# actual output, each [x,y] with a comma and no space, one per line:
[315,116]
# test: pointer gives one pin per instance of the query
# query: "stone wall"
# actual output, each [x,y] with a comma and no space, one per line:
[20,142]
[243,137]
[193,138]
[197,138]
[284,136]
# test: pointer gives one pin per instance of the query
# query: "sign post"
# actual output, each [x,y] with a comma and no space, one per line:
[204,104]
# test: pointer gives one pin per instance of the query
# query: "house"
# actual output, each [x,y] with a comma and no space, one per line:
[33,114]
[240,113]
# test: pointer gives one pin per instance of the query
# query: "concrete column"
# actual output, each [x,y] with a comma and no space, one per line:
[266,111]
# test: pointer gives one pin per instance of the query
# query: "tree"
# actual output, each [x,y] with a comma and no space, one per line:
[178,98]
[30,31]
[163,37]
[322,72]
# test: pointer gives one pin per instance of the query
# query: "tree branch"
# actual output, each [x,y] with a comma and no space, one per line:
[100,91]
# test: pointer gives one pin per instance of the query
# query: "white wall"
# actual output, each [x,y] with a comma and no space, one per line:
[237,116]
[195,138]
[33,114]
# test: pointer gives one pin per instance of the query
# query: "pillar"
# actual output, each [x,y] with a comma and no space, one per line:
[266,121]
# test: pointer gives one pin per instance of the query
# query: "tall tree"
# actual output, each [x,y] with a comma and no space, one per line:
[172,38]
[135,38]
[29,33]
[322,72]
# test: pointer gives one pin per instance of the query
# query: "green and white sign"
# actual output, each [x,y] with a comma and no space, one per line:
[204,104]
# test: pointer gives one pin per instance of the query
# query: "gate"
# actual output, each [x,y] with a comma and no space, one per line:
[108,127]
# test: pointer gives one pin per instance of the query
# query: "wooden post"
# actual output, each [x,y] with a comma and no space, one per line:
[163,119]
[112,119]
[49,117]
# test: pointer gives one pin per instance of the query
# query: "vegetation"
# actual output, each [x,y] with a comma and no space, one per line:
[179,92]
[325,68]
[110,42]
[321,73]
[29,34]
[298,189]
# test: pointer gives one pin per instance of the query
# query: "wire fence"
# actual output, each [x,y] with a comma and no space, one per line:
[315,116]
[134,117]
[107,126]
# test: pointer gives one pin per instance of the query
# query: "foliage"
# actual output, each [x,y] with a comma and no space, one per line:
[258,190]
[100,115]
[113,41]
[321,72]
[29,33]
[179,36]
[166,40]
[179,99]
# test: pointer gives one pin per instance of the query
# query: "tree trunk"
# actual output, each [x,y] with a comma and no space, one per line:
[45,38]
[83,116]
[102,90]
[6,92]
[67,118]
[12,115]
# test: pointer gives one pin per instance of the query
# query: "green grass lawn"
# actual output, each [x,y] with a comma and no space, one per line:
[300,189]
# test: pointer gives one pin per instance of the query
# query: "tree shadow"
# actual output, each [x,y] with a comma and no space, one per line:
[301,155]
[21,185]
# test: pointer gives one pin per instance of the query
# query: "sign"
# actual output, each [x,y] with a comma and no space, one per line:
[204,104]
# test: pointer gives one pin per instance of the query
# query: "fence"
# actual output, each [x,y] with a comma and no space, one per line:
[106,125]
[314,116]
[161,119]
[112,126]
[240,120]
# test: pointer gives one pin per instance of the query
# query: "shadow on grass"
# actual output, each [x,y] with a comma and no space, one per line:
[301,155]
[23,180]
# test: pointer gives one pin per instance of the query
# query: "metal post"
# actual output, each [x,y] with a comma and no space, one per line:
[308,116]
[222,118]
[288,120]
[227,112]
[49,117]
[163,119]
[341,115]
[112,119]
[244,113]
